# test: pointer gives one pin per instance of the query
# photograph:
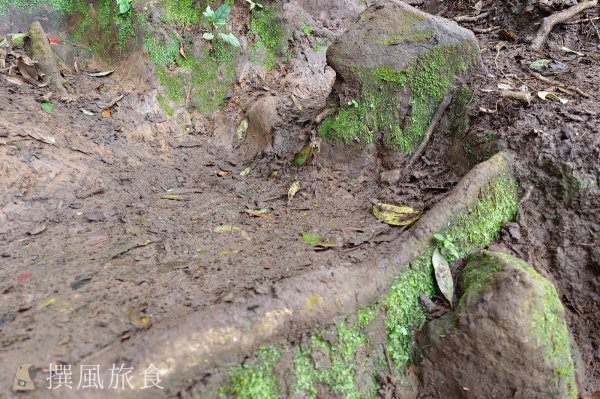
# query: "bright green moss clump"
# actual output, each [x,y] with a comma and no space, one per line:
[254,381]
[336,365]
[378,115]
[270,36]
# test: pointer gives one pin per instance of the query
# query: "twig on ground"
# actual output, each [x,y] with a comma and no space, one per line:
[581,20]
[595,27]
[484,30]
[436,119]
[415,2]
[551,82]
[551,21]
[469,18]
[521,96]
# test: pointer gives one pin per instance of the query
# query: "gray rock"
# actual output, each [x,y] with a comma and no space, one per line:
[507,338]
[395,65]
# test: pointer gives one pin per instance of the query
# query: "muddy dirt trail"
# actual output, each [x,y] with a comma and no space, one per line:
[116,224]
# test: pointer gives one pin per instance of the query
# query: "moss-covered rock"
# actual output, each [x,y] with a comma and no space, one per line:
[507,338]
[400,63]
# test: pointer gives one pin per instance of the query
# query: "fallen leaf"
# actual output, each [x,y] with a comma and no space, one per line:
[540,64]
[173,197]
[507,35]
[23,277]
[231,229]
[261,213]
[443,275]
[240,133]
[53,41]
[182,51]
[46,106]
[544,95]
[246,171]
[106,113]
[395,215]
[17,80]
[46,303]
[315,240]
[293,190]
[17,39]
[99,74]
[222,173]
[303,156]
[568,50]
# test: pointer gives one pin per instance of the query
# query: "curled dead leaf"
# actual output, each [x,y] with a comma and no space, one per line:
[395,215]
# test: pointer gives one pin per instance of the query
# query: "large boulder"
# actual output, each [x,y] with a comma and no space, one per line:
[507,338]
[395,66]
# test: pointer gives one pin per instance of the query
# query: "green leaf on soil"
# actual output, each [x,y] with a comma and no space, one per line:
[303,156]
[229,38]
[540,64]
[124,6]
[208,36]
[443,275]
[221,15]
[18,39]
[48,107]
[315,240]
[395,215]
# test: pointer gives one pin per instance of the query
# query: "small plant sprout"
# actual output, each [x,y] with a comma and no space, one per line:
[218,18]
[446,246]
[253,5]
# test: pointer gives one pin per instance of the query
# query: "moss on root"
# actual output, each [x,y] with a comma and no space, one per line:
[332,364]
[426,84]
[255,381]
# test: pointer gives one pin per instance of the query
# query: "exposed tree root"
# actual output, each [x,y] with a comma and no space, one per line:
[436,119]
[468,18]
[521,96]
[550,22]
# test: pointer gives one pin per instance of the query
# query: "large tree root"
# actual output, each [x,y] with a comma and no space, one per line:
[550,22]
[40,50]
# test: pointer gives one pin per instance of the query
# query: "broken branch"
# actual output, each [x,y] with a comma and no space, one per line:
[468,18]
[436,118]
[551,21]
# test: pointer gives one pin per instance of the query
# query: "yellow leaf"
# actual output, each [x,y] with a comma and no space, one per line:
[293,190]
[395,215]
[106,113]
[46,303]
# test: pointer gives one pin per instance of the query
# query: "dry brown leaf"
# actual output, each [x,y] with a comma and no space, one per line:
[106,113]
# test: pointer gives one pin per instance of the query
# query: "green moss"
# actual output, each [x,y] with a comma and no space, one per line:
[164,105]
[470,232]
[183,13]
[481,225]
[254,381]
[270,36]
[549,330]
[413,36]
[66,6]
[426,84]
[338,368]
[163,51]
[404,314]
